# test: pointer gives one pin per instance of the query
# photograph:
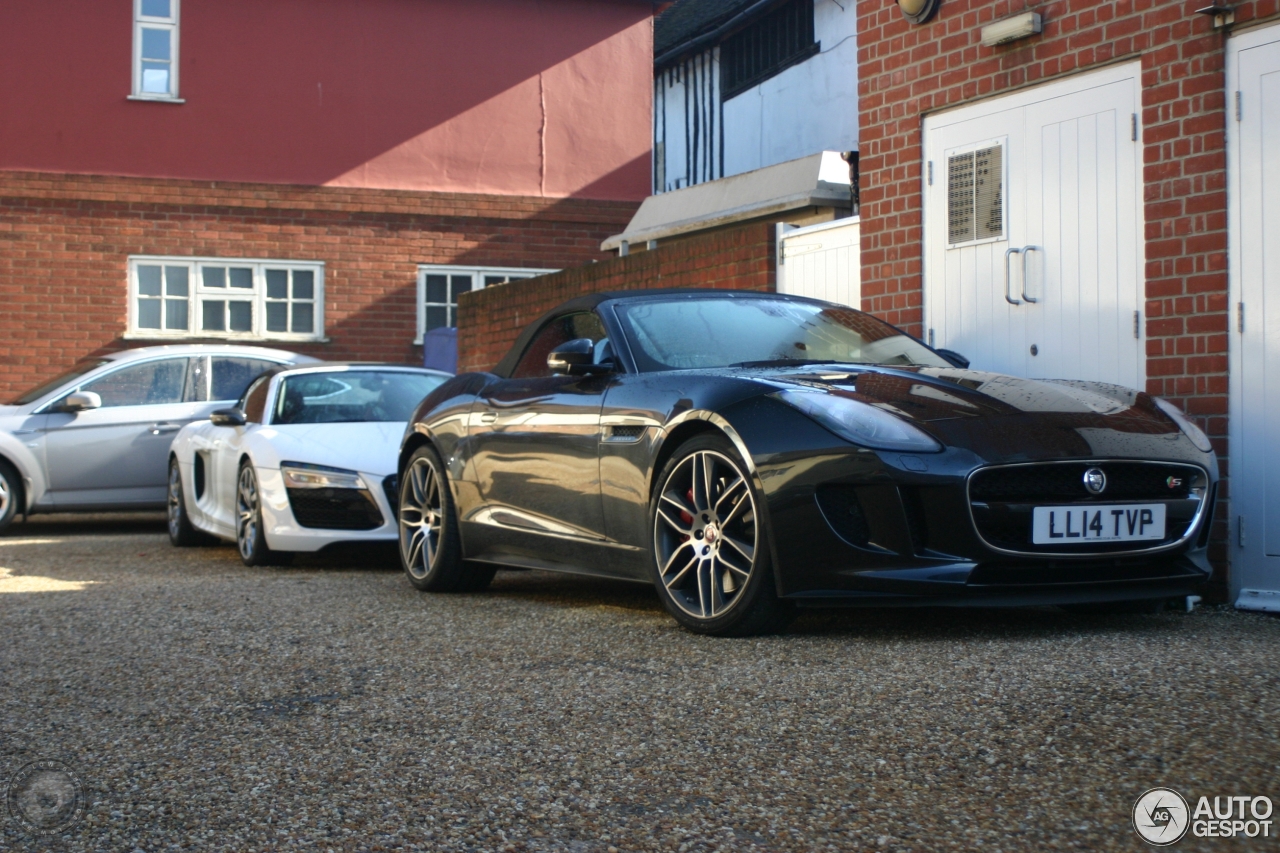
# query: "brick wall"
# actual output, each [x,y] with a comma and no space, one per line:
[489,320]
[65,241]
[907,71]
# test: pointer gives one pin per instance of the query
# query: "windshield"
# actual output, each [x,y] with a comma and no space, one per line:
[62,379]
[718,332]
[351,396]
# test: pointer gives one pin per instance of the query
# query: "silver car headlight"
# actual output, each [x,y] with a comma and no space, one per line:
[860,423]
[301,475]
[1193,432]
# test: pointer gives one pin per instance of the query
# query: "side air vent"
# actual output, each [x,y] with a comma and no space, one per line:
[624,432]
[840,507]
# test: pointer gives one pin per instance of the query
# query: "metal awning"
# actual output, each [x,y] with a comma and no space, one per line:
[819,180]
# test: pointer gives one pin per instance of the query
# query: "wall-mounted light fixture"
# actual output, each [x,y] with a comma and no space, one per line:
[919,11]
[1011,29]
[1223,15]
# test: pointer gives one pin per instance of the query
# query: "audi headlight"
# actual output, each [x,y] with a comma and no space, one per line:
[301,475]
[861,423]
[1190,430]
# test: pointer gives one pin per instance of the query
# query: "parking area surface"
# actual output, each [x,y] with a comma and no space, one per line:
[330,706]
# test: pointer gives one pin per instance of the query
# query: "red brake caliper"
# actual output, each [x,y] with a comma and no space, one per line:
[684,513]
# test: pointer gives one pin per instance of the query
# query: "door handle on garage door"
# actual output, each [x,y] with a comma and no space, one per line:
[164,426]
[1008,297]
[1027,250]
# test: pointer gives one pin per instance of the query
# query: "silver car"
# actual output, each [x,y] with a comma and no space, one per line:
[97,437]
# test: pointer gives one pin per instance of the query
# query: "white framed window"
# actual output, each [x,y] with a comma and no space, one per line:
[155,50]
[225,298]
[439,286]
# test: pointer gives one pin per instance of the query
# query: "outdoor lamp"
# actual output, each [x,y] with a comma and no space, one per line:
[918,11]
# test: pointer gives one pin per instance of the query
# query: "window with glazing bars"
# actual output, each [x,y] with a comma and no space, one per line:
[771,44]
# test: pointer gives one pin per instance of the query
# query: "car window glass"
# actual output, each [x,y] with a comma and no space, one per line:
[148,384]
[232,374]
[718,332]
[254,402]
[61,379]
[351,396]
[560,330]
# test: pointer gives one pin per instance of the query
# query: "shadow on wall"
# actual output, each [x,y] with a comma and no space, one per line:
[329,92]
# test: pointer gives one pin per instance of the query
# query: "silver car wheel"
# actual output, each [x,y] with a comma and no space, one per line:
[705,534]
[421,519]
[6,495]
[247,512]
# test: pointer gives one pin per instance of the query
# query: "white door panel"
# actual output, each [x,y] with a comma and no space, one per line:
[1253,69]
[822,262]
[1055,296]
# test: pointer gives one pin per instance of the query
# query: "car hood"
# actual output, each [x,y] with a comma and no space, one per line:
[372,448]
[1001,416]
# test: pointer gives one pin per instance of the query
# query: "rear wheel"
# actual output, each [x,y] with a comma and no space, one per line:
[181,532]
[10,494]
[711,563]
[430,545]
[251,539]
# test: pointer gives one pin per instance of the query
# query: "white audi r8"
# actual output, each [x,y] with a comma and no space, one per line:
[306,458]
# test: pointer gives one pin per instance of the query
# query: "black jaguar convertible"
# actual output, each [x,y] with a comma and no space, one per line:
[749,453]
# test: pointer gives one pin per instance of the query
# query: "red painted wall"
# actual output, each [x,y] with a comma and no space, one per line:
[515,97]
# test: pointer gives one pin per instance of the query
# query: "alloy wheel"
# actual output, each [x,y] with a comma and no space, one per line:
[705,534]
[421,518]
[175,502]
[6,495]
[247,513]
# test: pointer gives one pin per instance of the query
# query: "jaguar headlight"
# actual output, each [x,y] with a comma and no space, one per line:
[860,423]
[1190,430]
[301,475]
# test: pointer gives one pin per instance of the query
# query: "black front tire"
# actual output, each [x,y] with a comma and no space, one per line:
[430,544]
[10,494]
[251,538]
[710,555]
[182,533]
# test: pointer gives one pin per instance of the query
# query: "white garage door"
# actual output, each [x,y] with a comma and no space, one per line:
[822,261]
[1253,69]
[1033,236]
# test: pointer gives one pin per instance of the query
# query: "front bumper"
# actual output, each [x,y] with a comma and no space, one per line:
[285,532]
[867,528]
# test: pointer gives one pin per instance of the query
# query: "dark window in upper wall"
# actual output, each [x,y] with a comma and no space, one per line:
[767,46]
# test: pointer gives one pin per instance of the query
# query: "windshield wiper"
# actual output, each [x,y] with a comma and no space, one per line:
[787,362]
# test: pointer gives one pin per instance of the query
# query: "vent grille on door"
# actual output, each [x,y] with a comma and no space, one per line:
[975,195]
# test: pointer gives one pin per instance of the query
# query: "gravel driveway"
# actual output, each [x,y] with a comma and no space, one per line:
[329,706]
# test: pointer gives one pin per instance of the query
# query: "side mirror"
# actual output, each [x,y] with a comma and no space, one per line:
[227,418]
[954,357]
[81,401]
[576,358]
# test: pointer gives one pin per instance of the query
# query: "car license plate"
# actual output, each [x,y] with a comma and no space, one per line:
[1070,525]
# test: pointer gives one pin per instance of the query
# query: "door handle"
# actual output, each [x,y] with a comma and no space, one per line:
[156,429]
[488,417]
[1027,250]
[1008,297]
